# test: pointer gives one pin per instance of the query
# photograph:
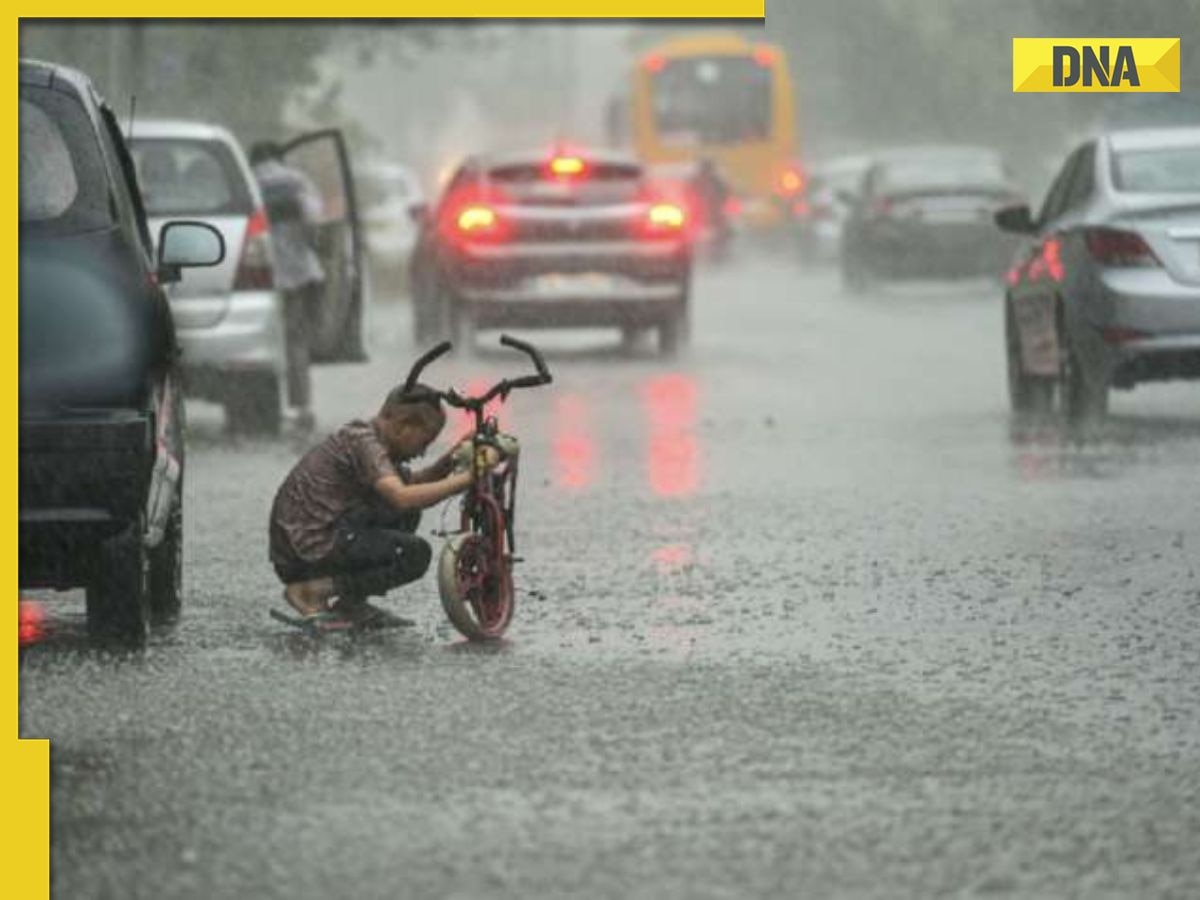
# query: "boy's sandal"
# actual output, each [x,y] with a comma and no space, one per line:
[326,621]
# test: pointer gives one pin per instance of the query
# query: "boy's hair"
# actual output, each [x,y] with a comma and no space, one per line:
[419,404]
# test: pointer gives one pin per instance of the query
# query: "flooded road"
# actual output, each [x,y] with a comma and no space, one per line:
[802,613]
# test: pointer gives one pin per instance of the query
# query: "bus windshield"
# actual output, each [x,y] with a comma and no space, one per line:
[712,100]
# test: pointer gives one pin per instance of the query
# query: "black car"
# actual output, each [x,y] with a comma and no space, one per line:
[101,431]
[927,213]
[553,240]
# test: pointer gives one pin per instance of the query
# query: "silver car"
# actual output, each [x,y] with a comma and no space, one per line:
[1106,293]
[228,318]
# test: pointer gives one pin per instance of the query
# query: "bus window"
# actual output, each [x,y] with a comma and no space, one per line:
[712,100]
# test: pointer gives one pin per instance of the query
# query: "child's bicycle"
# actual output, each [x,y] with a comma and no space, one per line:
[475,568]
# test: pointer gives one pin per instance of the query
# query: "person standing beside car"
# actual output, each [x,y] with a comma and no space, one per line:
[293,205]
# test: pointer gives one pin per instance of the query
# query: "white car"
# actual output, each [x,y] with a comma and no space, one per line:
[392,200]
[229,318]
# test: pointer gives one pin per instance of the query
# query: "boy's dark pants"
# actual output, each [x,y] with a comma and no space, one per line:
[374,551]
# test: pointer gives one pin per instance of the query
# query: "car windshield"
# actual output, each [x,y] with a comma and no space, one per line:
[943,172]
[1162,170]
[63,185]
[189,177]
[713,100]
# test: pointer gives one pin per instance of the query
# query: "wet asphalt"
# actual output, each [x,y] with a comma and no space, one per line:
[802,614]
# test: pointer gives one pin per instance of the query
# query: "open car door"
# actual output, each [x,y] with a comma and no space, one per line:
[336,236]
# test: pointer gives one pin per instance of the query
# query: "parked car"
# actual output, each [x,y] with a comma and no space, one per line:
[831,185]
[1106,290]
[229,318]
[392,202]
[101,430]
[927,213]
[550,240]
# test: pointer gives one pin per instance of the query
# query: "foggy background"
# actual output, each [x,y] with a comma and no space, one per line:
[867,73]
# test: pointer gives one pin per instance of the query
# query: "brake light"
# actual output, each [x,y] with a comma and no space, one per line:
[664,219]
[1119,249]
[790,181]
[567,166]
[1117,334]
[765,56]
[255,271]
[476,218]
[732,207]
[655,63]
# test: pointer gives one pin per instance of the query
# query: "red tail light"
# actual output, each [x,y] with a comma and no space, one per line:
[732,207]
[1119,249]
[790,181]
[664,220]
[765,56]
[1116,334]
[255,271]
[655,63]
[477,221]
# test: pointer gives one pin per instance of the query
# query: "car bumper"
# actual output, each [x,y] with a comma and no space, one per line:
[81,481]
[1146,326]
[248,338]
[918,250]
[631,307]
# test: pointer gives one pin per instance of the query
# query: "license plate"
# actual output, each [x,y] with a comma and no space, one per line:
[583,284]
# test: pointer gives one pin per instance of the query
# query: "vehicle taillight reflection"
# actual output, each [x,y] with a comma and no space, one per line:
[574,447]
[31,622]
[674,452]
[671,557]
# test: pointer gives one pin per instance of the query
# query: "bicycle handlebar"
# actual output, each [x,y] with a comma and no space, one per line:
[415,372]
[532,352]
[500,388]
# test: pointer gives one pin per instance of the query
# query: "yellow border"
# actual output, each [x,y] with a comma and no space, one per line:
[25,764]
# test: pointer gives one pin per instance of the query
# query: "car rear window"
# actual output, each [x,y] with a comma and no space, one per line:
[190,177]
[63,183]
[1163,170]
[713,100]
[943,172]
[601,182]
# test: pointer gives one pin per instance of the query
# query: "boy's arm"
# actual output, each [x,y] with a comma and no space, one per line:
[420,496]
[436,471]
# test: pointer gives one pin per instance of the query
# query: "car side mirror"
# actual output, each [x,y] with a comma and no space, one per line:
[1016,219]
[187,244]
[418,212]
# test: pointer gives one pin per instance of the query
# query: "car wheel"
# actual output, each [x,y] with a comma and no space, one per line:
[1081,399]
[254,406]
[854,274]
[118,608]
[166,569]
[1026,393]
[674,333]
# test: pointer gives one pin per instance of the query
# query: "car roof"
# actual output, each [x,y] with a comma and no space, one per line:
[52,75]
[1153,138]
[182,129]
[934,151]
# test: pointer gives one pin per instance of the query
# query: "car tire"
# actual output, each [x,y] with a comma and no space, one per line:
[254,406]
[1027,394]
[1081,399]
[166,569]
[854,274]
[118,596]
[674,333]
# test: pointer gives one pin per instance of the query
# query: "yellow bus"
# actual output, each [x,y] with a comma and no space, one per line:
[721,97]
